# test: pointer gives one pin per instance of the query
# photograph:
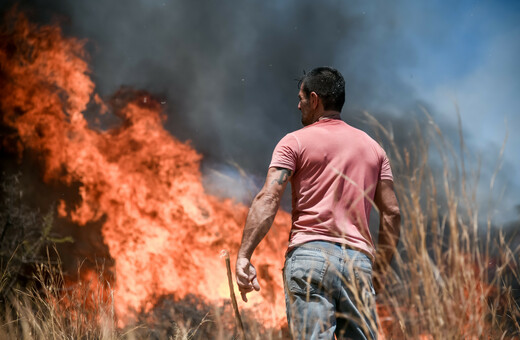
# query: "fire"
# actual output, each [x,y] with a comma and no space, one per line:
[144,186]
[162,230]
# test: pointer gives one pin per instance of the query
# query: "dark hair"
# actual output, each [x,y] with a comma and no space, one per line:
[328,84]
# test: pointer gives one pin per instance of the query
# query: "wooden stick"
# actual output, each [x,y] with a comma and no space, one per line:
[238,319]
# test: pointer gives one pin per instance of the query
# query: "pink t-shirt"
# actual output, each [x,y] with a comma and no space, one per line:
[336,168]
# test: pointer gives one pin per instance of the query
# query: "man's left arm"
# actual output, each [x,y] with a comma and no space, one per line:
[259,220]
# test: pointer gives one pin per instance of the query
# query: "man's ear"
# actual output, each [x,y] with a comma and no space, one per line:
[314,99]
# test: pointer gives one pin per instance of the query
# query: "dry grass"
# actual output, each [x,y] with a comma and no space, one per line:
[454,274]
[48,308]
[454,277]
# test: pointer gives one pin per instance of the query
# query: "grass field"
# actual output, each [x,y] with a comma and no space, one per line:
[456,276]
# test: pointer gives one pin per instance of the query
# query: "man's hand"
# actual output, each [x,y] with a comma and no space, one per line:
[246,277]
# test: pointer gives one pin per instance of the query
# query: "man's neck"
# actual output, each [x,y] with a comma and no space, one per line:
[330,115]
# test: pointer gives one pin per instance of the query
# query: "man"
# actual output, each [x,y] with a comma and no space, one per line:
[337,174]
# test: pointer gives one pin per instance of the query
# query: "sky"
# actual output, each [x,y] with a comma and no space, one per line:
[226,72]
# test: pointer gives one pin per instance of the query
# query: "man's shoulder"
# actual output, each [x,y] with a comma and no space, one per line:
[363,136]
[291,136]
[290,140]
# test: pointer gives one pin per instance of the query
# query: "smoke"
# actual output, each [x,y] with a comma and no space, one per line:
[226,70]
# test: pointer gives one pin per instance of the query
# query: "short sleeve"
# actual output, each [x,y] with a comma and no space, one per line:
[386,171]
[285,154]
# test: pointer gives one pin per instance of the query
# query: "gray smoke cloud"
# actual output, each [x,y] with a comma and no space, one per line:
[227,70]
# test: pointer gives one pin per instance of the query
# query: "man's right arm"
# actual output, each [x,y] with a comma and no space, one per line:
[259,220]
[389,225]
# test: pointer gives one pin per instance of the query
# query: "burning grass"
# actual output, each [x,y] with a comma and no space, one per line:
[455,276]
[450,280]
[140,185]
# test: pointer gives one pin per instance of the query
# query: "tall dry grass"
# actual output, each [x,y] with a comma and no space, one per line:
[48,308]
[455,275]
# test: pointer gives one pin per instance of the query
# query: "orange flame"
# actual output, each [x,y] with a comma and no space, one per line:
[163,231]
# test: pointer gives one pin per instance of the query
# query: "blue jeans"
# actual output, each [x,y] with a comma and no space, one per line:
[328,290]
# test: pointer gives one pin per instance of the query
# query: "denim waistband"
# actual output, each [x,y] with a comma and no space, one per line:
[333,249]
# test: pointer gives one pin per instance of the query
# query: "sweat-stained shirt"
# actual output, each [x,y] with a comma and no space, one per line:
[336,168]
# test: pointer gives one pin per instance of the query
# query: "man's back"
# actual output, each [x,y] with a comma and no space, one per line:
[336,171]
